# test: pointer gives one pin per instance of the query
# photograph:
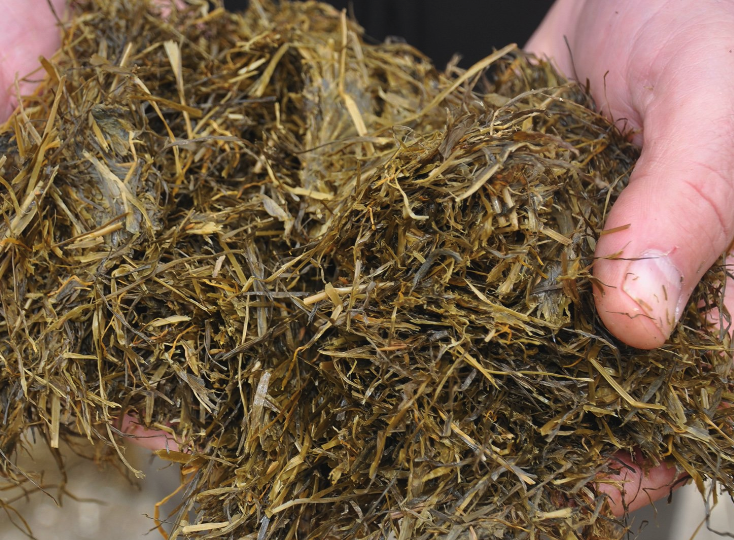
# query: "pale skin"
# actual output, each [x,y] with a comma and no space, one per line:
[663,68]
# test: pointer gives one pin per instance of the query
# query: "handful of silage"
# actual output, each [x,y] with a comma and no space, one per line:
[357,289]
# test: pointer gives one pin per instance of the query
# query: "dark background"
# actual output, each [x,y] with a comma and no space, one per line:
[442,28]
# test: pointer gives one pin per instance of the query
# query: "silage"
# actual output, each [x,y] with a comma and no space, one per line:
[356,289]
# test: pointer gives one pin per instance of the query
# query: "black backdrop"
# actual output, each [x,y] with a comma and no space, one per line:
[440,28]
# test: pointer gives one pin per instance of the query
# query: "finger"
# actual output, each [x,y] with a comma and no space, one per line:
[676,216]
[151,439]
[27,30]
[549,38]
[633,487]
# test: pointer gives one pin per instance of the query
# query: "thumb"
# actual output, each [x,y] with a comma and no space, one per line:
[675,218]
[27,30]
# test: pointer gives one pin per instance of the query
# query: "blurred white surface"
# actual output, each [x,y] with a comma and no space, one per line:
[690,516]
[108,505]
[683,519]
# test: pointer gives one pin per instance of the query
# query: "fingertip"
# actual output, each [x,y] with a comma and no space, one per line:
[626,320]
[152,439]
[651,258]
[633,485]
[639,299]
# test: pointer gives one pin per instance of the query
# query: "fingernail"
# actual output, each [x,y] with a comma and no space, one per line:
[655,285]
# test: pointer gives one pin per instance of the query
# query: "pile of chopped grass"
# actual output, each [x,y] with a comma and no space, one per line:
[357,290]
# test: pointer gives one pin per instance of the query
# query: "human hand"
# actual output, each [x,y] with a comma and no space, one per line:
[27,31]
[664,69]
